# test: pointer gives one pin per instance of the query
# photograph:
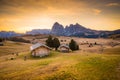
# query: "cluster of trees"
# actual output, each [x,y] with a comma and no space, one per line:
[19,40]
[55,43]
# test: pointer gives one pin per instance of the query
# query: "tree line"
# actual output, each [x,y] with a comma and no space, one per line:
[55,43]
[16,39]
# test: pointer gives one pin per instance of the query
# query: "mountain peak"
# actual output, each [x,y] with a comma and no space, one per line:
[56,23]
[57,29]
[71,25]
[77,24]
[74,30]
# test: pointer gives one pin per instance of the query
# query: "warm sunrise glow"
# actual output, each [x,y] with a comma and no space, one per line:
[25,15]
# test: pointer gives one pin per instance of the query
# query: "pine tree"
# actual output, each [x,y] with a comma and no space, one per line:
[77,47]
[73,45]
[56,43]
[1,39]
[49,41]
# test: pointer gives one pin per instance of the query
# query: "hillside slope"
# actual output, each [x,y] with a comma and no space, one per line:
[58,66]
[13,47]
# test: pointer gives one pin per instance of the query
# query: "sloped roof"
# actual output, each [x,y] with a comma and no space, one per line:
[64,45]
[33,47]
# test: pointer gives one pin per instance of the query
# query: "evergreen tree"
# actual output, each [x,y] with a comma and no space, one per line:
[77,47]
[49,41]
[73,45]
[1,39]
[56,43]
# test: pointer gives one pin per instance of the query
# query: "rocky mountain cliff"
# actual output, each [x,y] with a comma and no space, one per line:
[76,30]
[58,29]
[73,30]
[79,31]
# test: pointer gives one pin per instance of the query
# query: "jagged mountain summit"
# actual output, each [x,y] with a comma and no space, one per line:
[57,29]
[79,31]
[73,30]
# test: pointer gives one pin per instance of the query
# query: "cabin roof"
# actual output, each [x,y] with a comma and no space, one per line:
[64,45]
[33,47]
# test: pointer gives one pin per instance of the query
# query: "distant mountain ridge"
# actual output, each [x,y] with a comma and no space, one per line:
[79,31]
[8,34]
[76,30]
[39,31]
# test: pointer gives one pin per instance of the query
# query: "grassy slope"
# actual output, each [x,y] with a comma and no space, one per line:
[58,66]
[13,47]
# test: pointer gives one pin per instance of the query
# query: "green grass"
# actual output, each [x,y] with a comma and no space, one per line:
[61,66]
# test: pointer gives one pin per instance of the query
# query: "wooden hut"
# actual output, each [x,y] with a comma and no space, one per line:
[40,49]
[64,48]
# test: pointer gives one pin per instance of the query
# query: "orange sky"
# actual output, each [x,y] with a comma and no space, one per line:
[24,15]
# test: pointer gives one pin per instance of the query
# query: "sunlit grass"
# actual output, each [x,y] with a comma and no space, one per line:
[13,47]
[62,66]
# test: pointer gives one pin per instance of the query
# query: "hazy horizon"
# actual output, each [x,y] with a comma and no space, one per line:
[51,28]
[24,15]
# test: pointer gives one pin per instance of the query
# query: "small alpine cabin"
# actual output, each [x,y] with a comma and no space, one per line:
[64,48]
[40,50]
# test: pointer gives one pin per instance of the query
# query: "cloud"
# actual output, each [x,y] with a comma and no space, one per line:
[39,7]
[27,13]
[112,4]
[96,11]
